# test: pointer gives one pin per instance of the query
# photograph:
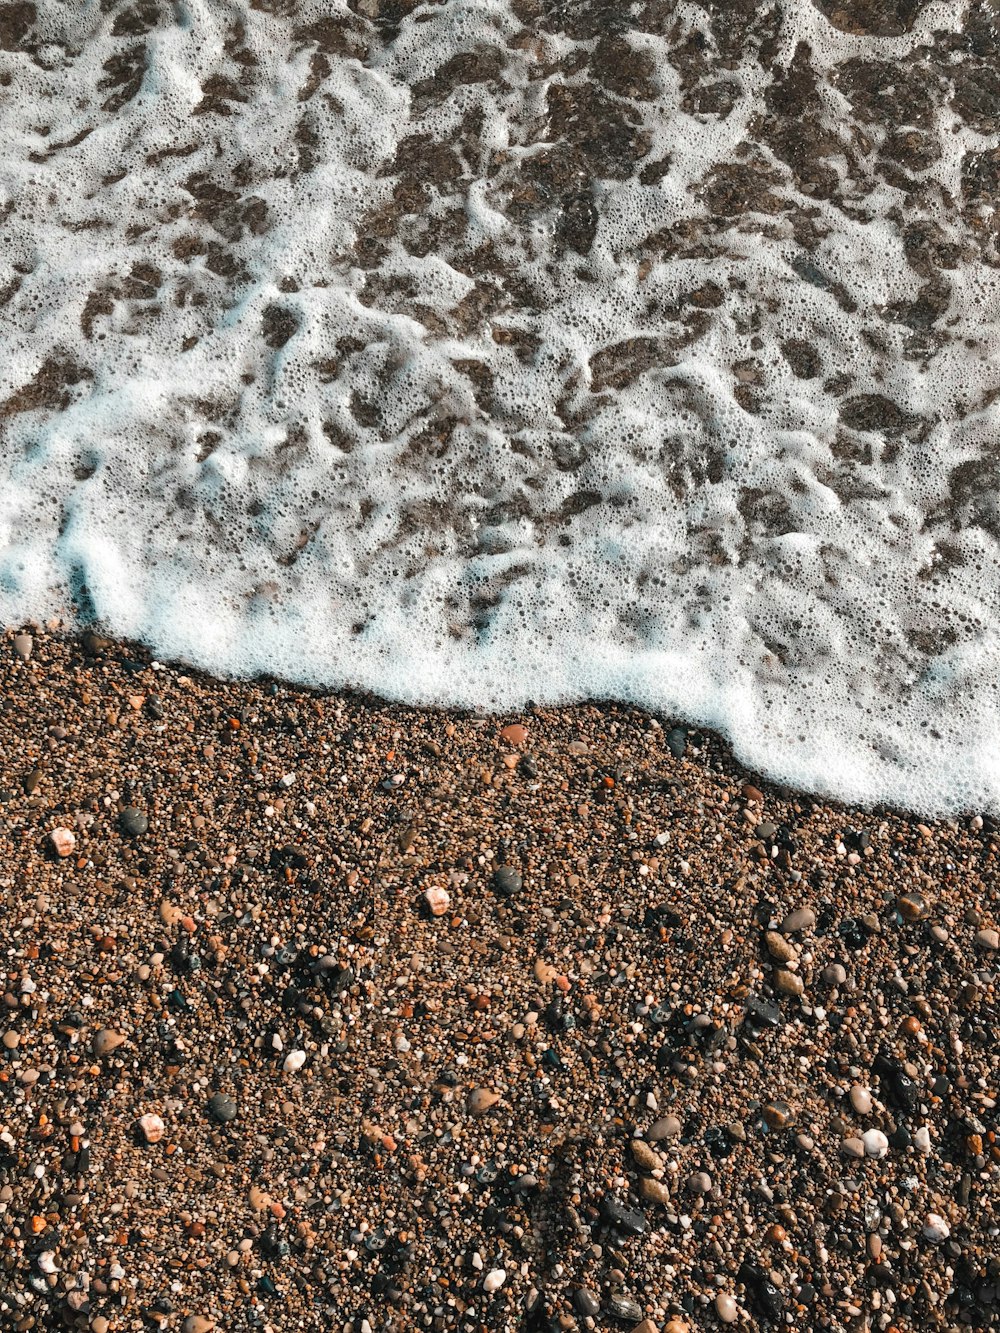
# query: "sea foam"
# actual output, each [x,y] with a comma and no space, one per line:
[488,351]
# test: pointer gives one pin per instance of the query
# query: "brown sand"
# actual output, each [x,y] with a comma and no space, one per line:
[609,1084]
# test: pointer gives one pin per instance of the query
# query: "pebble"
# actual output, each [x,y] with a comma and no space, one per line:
[700,1182]
[133,822]
[293,1062]
[222,1108]
[936,1228]
[507,881]
[777,1115]
[726,1308]
[62,841]
[802,918]
[667,1127]
[644,1156]
[988,939]
[197,1323]
[834,974]
[853,1147]
[514,734]
[481,1100]
[654,1191]
[922,1140]
[780,949]
[151,1127]
[912,906]
[23,645]
[438,900]
[787,983]
[106,1041]
[861,1100]
[494,1281]
[587,1302]
[622,1307]
[876,1143]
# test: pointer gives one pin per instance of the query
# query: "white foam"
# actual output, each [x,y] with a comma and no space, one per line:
[339,503]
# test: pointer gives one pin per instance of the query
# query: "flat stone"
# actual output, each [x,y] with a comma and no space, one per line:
[481,1100]
[988,939]
[853,1148]
[23,646]
[133,822]
[222,1108]
[861,1100]
[667,1127]
[514,734]
[726,1308]
[507,881]
[803,918]
[106,1041]
[624,1308]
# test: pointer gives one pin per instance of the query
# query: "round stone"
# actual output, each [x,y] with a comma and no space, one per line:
[876,1143]
[803,918]
[507,881]
[222,1108]
[787,983]
[106,1041]
[133,822]
[515,734]
[988,939]
[667,1127]
[912,906]
[726,1308]
[936,1228]
[700,1182]
[494,1281]
[853,1147]
[151,1127]
[587,1302]
[834,974]
[23,645]
[777,1115]
[861,1100]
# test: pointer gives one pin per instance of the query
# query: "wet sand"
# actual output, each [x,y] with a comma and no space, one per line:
[339,1015]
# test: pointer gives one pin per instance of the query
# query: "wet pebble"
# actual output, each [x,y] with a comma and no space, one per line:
[861,1099]
[133,822]
[726,1308]
[222,1108]
[802,918]
[667,1127]
[507,881]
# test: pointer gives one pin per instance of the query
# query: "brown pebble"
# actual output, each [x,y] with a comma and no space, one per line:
[654,1191]
[106,1041]
[787,983]
[752,794]
[514,734]
[912,906]
[667,1127]
[780,949]
[644,1156]
[988,939]
[197,1323]
[480,1100]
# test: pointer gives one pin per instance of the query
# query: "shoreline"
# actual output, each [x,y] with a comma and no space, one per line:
[449,1022]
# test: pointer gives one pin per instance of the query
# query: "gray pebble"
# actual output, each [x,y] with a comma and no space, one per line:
[133,822]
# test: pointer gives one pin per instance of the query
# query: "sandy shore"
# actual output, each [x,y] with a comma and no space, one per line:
[322,1013]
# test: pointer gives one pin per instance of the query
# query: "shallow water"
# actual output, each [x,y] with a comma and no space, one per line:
[484,351]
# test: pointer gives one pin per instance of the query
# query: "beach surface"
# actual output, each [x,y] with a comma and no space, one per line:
[323,1013]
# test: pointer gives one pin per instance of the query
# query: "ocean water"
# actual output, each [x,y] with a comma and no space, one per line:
[481,351]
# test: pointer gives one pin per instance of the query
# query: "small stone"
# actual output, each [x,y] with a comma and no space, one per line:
[861,1100]
[911,906]
[780,949]
[621,1307]
[587,1302]
[752,794]
[197,1323]
[647,1326]
[106,1041]
[853,1147]
[700,1182]
[23,645]
[667,1127]
[507,881]
[936,1228]
[726,1308]
[99,1324]
[787,983]
[876,1143]
[62,841]
[674,1325]
[151,1127]
[11,1040]
[644,1156]
[777,1115]
[494,1281]
[654,1191]
[438,900]
[293,1062]
[766,830]
[988,939]
[803,918]
[222,1108]
[922,1140]
[834,974]
[133,822]
[481,1100]
[514,734]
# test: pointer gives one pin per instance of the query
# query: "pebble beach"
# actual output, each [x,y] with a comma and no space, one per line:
[322,1013]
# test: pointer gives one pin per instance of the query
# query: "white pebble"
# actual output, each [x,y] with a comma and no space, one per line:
[876,1143]
[294,1061]
[922,1139]
[936,1228]
[494,1281]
